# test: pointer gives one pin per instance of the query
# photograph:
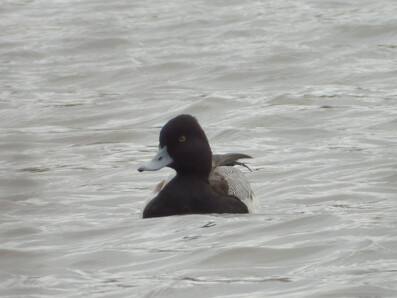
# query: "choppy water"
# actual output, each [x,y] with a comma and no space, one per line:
[306,87]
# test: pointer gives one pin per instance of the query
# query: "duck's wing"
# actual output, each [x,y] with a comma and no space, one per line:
[229,159]
[227,180]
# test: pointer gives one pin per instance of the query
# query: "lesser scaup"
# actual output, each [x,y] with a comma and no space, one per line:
[204,183]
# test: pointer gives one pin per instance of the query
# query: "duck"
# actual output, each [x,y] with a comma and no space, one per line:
[203,182]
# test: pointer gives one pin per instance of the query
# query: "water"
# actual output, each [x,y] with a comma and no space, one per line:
[306,87]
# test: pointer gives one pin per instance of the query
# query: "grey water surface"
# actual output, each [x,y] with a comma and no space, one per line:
[307,87]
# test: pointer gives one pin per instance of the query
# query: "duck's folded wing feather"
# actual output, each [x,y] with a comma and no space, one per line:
[228,159]
[229,181]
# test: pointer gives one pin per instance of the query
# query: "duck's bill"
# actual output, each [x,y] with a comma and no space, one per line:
[161,160]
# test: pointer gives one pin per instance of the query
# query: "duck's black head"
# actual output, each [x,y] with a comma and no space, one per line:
[183,147]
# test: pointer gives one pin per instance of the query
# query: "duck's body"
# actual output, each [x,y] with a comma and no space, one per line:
[191,195]
[203,183]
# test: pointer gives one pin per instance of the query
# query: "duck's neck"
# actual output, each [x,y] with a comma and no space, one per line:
[190,175]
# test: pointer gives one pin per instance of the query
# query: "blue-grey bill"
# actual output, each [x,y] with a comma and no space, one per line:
[161,160]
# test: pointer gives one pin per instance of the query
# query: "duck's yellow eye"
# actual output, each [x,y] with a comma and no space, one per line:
[181,139]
